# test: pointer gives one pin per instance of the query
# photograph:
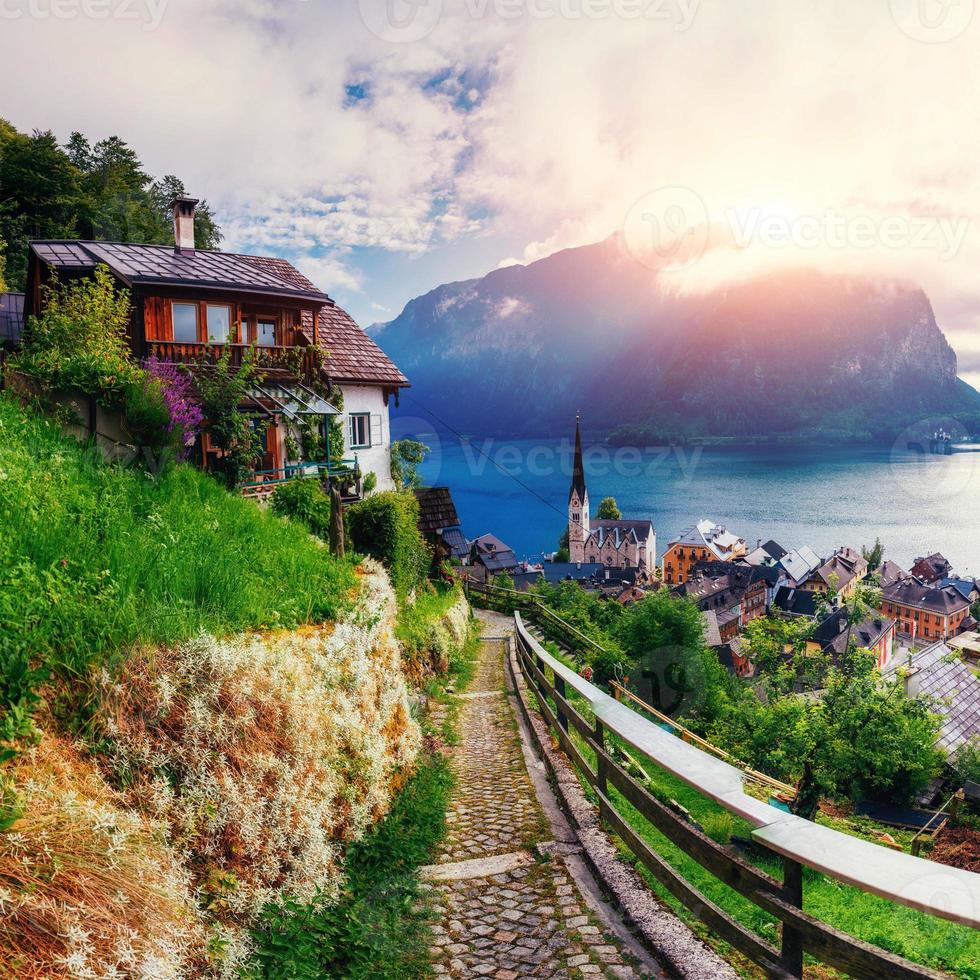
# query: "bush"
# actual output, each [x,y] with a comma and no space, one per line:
[304,501]
[386,527]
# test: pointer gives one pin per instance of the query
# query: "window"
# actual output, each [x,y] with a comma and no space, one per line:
[576,517]
[360,431]
[265,332]
[219,324]
[185,322]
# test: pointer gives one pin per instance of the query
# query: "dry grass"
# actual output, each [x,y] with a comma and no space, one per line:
[265,754]
[89,888]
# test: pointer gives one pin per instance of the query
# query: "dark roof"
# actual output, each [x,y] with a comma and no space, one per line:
[493,554]
[774,550]
[436,509]
[455,540]
[911,592]
[578,467]
[831,633]
[571,571]
[525,580]
[353,356]
[965,586]
[163,265]
[890,572]
[11,318]
[797,602]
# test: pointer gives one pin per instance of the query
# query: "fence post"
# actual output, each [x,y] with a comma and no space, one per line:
[792,951]
[600,768]
[560,689]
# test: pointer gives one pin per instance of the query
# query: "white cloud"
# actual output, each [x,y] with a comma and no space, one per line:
[543,130]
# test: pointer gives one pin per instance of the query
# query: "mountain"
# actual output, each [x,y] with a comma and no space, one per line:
[519,351]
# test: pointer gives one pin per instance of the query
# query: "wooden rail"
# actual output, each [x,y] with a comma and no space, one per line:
[945,892]
[303,360]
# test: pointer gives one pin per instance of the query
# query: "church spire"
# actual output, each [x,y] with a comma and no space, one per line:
[578,468]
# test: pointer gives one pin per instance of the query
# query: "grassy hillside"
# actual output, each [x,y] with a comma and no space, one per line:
[95,559]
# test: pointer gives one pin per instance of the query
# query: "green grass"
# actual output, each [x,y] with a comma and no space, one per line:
[379,927]
[96,558]
[922,938]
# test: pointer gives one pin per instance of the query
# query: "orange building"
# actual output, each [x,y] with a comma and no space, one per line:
[705,541]
[923,612]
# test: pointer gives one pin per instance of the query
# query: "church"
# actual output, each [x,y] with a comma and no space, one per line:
[615,544]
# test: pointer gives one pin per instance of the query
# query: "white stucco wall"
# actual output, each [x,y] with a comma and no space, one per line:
[360,400]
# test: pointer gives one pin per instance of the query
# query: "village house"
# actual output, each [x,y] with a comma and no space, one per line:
[932,569]
[842,573]
[770,554]
[190,306]
[798,565]
[924,612]
[890,573]
[612,543]
[705,541]
[489,553]
[440,525]
[833,635]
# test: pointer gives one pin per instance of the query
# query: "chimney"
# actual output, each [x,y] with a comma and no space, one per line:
[183,209]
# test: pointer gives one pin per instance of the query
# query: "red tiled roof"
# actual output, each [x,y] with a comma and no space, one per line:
[352,355]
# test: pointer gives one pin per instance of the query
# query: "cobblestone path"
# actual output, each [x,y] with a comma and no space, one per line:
[507,910]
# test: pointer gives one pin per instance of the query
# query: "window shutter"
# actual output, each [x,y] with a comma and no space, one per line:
[375,434]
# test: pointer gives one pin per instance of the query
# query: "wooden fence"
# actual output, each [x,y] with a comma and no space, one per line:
[946,892]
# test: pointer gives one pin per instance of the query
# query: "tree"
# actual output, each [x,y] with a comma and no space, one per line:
[859,737]
[3,265]
[609,510]
[236,434]
[406,457]
[80,190]
[874,555]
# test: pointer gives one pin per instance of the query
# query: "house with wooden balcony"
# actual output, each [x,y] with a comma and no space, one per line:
[190,306]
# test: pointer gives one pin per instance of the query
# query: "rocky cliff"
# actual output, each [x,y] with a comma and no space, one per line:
[519,351]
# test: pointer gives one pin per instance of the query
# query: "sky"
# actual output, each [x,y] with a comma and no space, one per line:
[388,146]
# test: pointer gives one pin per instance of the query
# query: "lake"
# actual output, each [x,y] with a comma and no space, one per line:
[821,497]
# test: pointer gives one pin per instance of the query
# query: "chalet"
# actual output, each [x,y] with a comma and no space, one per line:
[770,554]
[440,525]
[613,543]
[799,565]
[491,554]
[833,635]
[191,305]
[705,541]
[924,612]
[932,569]
[841,573]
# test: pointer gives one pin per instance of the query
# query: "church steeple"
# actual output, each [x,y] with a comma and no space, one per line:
[578,467]
[578,502]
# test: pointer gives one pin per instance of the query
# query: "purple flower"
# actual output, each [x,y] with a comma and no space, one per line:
[185,414]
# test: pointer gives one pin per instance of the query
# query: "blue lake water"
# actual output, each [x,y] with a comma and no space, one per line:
[822,497]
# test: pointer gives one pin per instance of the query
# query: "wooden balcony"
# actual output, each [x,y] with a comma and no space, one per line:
[302,360]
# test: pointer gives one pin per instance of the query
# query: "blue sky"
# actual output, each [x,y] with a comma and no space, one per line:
[387,146]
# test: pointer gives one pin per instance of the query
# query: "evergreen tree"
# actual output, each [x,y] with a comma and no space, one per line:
[609,510]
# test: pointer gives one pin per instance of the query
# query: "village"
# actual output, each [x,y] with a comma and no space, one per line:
[919,624]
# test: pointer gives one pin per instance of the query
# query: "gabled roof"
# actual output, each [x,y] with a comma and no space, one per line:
[912,592]
[891,572]
[353,356]
[796,602]
[832,633]
[965,586]
[493,554]
[162,265]
[11,318]
[800,563]
[938,676]
[436,509]
[706,534]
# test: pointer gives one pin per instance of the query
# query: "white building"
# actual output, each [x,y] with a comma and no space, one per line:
[369,381]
